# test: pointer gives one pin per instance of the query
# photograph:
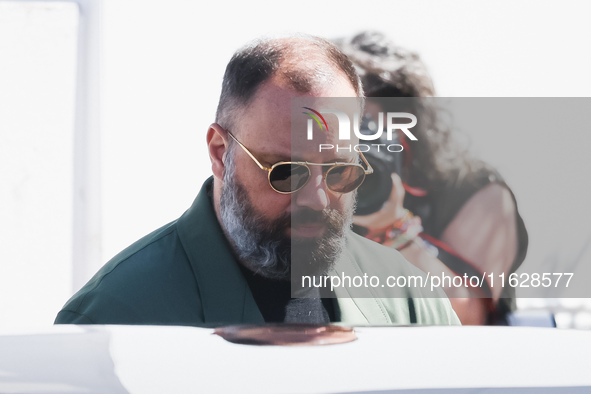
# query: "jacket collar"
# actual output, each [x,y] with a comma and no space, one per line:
[363,309]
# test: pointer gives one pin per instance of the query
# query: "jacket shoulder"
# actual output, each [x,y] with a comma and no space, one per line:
[150,282]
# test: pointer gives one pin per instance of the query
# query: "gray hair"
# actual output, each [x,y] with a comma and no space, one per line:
[266,258]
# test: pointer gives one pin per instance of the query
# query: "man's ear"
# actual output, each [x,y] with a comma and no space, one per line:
[217,144]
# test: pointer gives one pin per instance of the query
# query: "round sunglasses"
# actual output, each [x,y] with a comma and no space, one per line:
[287,177]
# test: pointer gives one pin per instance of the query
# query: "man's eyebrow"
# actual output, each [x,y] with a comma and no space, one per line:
[268,159]
[271,158]
[349,160]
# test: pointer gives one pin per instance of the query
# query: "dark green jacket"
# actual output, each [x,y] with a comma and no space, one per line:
[185,274]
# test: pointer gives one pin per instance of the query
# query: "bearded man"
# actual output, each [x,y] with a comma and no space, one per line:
[275,211]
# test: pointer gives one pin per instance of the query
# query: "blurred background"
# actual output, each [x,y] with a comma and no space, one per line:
[104,106]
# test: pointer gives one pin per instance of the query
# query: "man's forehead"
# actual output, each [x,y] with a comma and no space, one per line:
[274,125]
[279,90]
[272,103]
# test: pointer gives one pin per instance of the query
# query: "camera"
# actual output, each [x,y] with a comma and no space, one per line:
[376,188]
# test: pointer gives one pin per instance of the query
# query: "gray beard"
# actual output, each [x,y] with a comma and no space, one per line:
[262,245]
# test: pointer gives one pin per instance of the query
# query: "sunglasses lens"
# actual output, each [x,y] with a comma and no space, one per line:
[345,179]
[288,178]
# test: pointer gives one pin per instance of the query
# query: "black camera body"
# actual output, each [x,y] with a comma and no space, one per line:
[376,188]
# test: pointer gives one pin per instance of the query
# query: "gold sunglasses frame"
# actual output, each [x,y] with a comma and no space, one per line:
[307,164]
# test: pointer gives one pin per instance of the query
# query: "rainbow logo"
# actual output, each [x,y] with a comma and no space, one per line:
[316,118]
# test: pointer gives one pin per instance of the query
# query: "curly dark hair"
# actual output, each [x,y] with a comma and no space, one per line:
[388,70]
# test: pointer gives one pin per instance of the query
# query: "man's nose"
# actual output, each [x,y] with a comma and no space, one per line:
[314,194]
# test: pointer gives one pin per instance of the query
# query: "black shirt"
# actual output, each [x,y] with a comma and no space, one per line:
[273,297]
